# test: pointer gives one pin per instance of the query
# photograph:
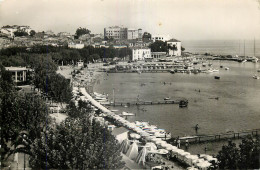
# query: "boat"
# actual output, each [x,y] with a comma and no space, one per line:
[256,77]
[127,114]
[217,77]
[172,71]
[167,98]
[258,70]
[204,65]
[221,66]
[243,61]
[226,68]
[255,60]
[209,64]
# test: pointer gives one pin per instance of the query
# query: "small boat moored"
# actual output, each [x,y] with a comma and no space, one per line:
[217,77]
[256,77]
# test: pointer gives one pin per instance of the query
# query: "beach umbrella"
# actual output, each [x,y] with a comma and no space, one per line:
[132,151]
[140,159]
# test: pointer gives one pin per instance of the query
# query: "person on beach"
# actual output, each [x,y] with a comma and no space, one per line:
[179,143]
[187,144]
[196,128]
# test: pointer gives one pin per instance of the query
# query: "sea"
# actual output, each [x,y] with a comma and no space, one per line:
[224,47]
[231,103]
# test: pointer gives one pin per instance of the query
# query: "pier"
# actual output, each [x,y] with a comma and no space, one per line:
[182,103]
[220,136]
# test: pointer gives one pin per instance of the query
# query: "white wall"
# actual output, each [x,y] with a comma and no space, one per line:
[141,53]
[175,52]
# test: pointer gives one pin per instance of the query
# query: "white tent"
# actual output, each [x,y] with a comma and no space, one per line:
[122,136]
[195,162]
[132,151]
[135,136]
[156,139]
[203,165]
[140,159]
[149,138]
[162,151]
[125,146]
[182,155]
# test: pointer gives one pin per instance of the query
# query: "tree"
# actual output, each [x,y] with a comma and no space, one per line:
[20,33]
[159,46]
[244,157]
[32,33]
[249,153]
[182,48]
[76,144]
[81,31]
[147,36]
[228,156]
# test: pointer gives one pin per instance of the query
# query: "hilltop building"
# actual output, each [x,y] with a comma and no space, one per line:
[115,32]
[160,38]
[141,54]
[9,30]
[177,44]
[133,34]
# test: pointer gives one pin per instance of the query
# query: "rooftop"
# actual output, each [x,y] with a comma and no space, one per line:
[173,40]
[16,68]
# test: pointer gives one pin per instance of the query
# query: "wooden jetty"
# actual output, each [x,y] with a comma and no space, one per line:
[182,103]
[220,136]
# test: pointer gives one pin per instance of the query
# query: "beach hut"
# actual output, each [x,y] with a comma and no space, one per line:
[140,159]
[188,159]
[132,151]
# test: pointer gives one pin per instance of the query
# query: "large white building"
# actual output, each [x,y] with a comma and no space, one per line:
[115,32]
[133,34]
[177,44]
[141,54]
[160,38]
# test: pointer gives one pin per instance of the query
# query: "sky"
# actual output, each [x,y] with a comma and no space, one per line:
[181,19]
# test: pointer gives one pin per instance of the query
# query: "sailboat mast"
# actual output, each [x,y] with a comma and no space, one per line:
[244,49]
[239,48]
[254,46]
